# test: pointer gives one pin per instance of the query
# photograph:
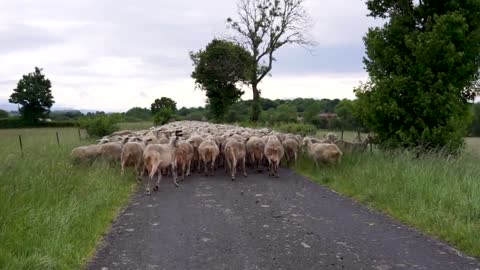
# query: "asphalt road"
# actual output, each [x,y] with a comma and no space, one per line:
[263,223]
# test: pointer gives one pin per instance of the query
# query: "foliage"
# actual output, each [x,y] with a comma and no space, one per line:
[295,128]
[65,115]
[346,113]
[163,103]
[422,64]
[138,114]
[15,122]
[100,125]
[217,71]
[53,214]
[284,113]
[476,120]
[3,114]
[264,27]
[34,95]
[162,117]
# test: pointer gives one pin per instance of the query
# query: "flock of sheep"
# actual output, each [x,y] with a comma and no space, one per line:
[179,147]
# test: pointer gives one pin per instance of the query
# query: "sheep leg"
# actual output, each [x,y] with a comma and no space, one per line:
[174,175]
[277,164]
[213,166]
[147,183]
[159,179]
[233,169]
[188,167]
[183,171]
[205,162]
[244,169]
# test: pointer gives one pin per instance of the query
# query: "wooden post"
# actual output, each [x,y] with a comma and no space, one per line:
[79,135]
[358,135]
[341,136]
[371,147]
[58,140]
[21,144]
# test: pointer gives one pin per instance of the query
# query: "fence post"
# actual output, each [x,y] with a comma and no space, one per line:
[79,135]
[58,140]
[358,135]
[342,135]
[21,144]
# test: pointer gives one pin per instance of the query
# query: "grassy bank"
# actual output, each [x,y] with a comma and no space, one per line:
[438,196]
[53,214]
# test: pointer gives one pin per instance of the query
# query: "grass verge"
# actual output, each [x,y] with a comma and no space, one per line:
[436,195]
[53,214]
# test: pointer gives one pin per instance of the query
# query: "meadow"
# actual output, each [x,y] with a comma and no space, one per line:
[437,195]
[53,214]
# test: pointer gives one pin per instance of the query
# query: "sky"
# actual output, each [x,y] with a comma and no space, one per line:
[114,55]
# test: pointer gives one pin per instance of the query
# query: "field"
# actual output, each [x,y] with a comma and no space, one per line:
[52,213]
[436,195]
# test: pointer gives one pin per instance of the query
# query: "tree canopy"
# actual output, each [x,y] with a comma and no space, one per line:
[162,104]
[217,71]
[33,93]
[263,27]
[422,64]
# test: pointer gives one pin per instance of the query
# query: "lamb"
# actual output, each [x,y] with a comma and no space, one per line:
[208,151]
[274,152]
[235,152]
[323,153]
[255,147]
[86,154]
[158,157]
[184,157]
[132,155]
[291,149]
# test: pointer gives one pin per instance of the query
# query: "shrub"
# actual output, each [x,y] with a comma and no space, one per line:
[100,125]
[162,116]
[16,122]
[302,129]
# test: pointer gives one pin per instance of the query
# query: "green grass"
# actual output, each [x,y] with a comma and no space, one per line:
[135,125]
[436,195]
[53,214]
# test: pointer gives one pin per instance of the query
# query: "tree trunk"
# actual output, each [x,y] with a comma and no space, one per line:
[255,103]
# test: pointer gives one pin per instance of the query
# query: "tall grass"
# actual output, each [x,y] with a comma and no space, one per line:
[440,196]
[52,214]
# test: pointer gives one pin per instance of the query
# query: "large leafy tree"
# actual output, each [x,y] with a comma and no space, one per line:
[163,103]
[422,63]
[218,71]
[34,95]
[263,27]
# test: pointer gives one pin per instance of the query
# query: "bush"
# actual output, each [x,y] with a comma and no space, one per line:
[99,126]
[20,123]
[162,117]
[302,129]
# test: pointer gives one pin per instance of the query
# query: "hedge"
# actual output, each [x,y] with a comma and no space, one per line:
[18,123]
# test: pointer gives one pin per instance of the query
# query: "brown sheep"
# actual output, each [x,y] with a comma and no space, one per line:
[157,157]
[208,151]
[323,153]
[291,149]
[235,153]
[86,154]
[184,156]
[195,141]
[132,156]
[274,152]
[255,147]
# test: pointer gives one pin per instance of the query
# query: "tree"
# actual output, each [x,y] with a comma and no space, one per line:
[217,71]
[163,103]
[345,111]
[422,64]
[34,95]
[3,114]
[162,116]
[139,113]
[265,26]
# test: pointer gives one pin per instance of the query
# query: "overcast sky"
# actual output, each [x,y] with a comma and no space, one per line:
[114,55]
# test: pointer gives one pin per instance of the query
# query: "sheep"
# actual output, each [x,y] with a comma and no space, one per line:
[184,157]
[208,152]
[112,151]
[291,149]
[323,153]
[157,157]
[86,154]
[255,147]
[235,153]
[195,141]
[132,155]
[274,152]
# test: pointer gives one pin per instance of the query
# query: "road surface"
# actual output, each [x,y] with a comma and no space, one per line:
[263,223]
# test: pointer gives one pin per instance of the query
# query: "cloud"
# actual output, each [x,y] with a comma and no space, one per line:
[122,54]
